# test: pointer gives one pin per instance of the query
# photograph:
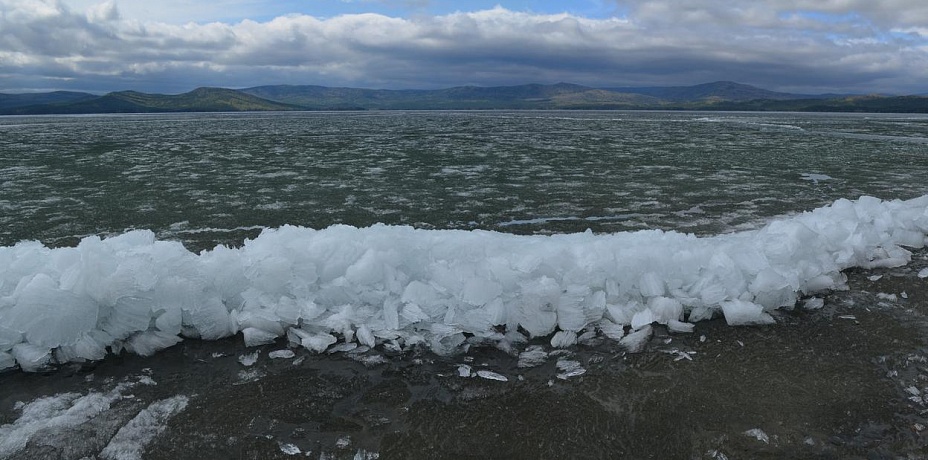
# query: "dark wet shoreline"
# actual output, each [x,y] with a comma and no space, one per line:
[847,381]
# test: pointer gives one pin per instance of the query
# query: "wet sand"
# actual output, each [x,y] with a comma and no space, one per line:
[847,381]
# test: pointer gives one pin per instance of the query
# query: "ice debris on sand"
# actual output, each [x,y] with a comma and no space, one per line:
[248,359]
[465,371]
[61,411]
[281,354]
[47,417]
[130,441]
[569,368]
[490,375]
[758,434]
[534,355]
[814,303]
[289,449]
[400,287]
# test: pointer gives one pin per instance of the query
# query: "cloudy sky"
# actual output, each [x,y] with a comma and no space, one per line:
[173,46]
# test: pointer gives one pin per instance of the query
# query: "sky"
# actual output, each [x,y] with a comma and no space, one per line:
[173,46]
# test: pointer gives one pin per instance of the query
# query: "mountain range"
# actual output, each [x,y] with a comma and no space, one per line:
[721,95]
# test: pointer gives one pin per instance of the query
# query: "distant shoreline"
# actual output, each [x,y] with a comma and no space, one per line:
[717,96]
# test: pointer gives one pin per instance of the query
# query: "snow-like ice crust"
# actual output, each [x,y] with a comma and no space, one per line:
[47,418]
[400,287]
[130,441]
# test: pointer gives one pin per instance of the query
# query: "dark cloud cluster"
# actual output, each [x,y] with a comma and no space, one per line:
[791,45]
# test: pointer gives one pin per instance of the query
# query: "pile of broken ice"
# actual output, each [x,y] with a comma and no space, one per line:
[400,287]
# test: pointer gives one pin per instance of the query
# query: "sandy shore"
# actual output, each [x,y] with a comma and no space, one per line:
[847,381]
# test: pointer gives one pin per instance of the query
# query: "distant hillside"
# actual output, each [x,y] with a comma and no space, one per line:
[9,101]
[531,96]
[201,100]
[709,96]
[325,98]
[861,104]
[198,100]
[708,92]
[604,99]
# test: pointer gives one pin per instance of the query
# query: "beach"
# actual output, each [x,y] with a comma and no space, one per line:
[845,381]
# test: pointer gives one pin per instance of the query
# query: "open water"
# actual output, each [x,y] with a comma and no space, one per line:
[207,179]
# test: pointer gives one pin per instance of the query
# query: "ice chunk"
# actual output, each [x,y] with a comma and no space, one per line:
[923,273]
[636,341]
[711,293]
[743,313]
[814,303]
[622,314]
[89,346]
[149,342]
[771,289]
[665,309]
[210,318]
[680,355]
[169,321]
[362,454]
[6,360]
[479,291]
[248,359]
[588,337]
[651,285]
[569,368]
[464,370]
[909,237]
[365,336]
[537,312]
[49,316]
[817,284]
[611,330]
[316,342]
[249,375]
[129,315]
[815,178]
[254,337]
[643,318]
[8,338]
[30,357]
[533,356]
[679,326]
[281,354]
[490,375]
[563,339]
[342,348]
[758,434]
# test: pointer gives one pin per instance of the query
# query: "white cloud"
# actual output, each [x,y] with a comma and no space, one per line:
[767,12]
[796,45]
[102,12]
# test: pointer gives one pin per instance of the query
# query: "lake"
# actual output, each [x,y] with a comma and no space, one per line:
[410,284]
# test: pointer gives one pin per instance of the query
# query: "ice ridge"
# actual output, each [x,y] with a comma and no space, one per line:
[402,287]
